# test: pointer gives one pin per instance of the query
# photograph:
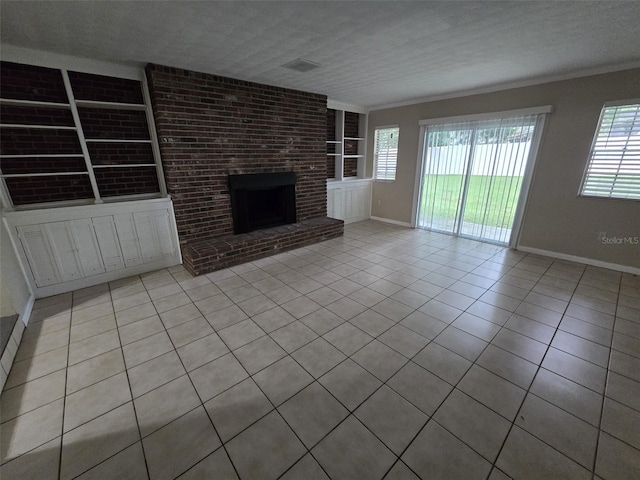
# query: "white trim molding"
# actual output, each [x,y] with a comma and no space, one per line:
[40,58]
[574,258]
[335,105]
[392,222]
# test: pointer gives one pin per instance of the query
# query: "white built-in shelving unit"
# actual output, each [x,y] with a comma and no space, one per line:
[348,191]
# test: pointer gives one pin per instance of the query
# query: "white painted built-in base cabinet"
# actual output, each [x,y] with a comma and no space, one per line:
[67,248]
[349,200]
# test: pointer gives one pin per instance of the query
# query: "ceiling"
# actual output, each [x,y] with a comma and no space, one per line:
[371,52]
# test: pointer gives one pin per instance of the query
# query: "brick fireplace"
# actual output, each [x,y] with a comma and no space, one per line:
[210,127]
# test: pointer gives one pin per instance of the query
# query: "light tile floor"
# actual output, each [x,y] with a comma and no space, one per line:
[388,353]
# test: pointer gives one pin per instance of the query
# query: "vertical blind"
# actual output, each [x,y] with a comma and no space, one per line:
[385,155]
[614,164]
[472,175]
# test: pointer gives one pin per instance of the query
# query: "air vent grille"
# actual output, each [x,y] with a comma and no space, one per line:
[301,65]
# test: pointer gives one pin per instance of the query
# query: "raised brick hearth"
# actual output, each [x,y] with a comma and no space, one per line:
[210,127]
[222,252]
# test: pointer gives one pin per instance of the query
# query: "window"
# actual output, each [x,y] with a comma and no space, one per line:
[385,155]
[73,138]
[613,170]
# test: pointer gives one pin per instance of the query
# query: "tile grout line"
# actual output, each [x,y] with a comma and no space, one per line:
[133,404]
[527,393]
[64,401]
[606,384]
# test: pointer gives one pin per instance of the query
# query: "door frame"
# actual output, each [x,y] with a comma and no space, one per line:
[523,199]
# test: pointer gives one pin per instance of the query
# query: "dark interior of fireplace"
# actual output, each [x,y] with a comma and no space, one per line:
[262,200]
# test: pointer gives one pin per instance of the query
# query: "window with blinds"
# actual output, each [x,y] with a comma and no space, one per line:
[385,155]
[613,170]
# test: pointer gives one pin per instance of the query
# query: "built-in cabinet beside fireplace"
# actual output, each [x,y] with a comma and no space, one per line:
[74,247]
[348,191]
[349,200]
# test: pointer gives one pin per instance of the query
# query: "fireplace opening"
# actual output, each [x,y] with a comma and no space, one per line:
[262,200]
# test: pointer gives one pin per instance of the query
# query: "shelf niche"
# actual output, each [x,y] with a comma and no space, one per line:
[345,144]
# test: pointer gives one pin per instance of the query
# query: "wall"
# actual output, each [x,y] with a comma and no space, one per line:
[556,219]
[210,126]
[6,304]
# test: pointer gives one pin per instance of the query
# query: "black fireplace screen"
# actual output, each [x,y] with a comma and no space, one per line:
[262,200]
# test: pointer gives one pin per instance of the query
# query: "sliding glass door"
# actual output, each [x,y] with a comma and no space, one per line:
[472,176]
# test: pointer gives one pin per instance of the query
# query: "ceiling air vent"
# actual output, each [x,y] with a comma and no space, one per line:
[301,65]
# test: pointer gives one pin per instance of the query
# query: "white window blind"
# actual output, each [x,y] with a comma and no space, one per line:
[613,170]
[385,156]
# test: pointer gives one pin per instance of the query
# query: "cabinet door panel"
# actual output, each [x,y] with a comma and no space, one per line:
[147,236]
[87,246]
[348,203]
[330,203]
[337,201]
[109,244]
[128,239]
[163,228]
[65,251]
[358,201]
[39,255]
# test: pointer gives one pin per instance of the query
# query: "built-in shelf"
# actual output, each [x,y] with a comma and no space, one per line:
[32,103]
[128,165]
[40,127]
[345,147]
[46,155]
[44,174]
[114,140]
[110,105]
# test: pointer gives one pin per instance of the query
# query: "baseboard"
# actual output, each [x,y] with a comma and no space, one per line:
[26,314]
[388,220]
[588,261]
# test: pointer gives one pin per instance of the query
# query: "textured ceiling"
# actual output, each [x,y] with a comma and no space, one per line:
[370,52]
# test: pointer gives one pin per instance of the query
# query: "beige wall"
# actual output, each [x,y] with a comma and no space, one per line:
[6,305]
[556,219]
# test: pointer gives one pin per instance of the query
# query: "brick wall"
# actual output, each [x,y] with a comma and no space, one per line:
[34,141]
[22,115]
[120,153]
[114,124]
[27,190]
[126,181]
[210,127]
[87,86]
[40,84]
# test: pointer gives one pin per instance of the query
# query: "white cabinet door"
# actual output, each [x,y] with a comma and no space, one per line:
[39,255]
[105,229]
[128,239]
[64,249]
[360,201]
[330,203]
[145,223]
[336,196]
[87,246]
[163,229]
